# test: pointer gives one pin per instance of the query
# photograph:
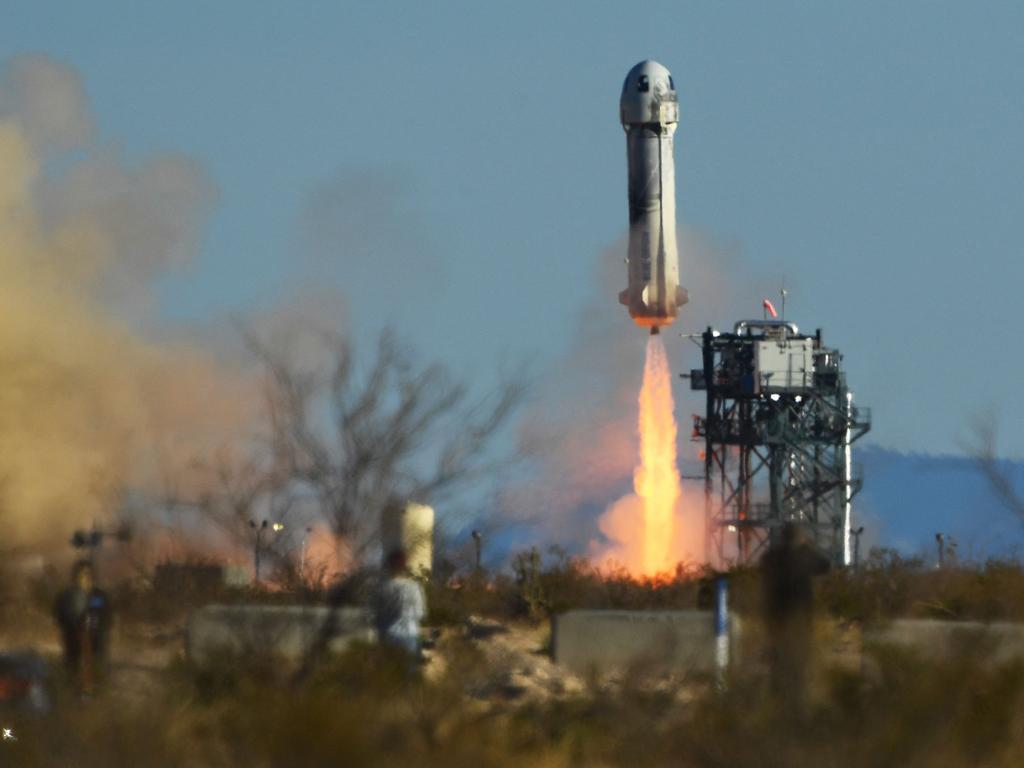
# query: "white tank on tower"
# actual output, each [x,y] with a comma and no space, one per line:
[409,527]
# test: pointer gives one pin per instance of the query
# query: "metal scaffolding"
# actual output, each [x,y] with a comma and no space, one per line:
[777,431]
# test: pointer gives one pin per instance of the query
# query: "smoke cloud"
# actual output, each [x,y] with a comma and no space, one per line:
[361,229]
[47,101]
[91,403]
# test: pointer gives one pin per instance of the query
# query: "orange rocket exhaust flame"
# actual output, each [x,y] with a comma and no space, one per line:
[647,531]
[656,479]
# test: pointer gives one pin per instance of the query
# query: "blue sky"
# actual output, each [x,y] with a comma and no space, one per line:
[872,153]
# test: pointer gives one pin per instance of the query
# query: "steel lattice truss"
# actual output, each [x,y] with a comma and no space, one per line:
[775,452]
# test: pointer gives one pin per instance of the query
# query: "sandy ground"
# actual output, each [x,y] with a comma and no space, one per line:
[510,662]
[139,652]
[515,657]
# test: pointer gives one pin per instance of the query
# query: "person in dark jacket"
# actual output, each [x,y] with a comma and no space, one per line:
[788,569]
[83,614]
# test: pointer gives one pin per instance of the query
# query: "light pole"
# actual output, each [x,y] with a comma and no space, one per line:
[940,540]
[258,547]
[93,538]
[856,532]
[302,559]
[256,552]
[478,539]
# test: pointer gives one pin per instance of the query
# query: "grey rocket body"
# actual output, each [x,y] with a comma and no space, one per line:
[649,111]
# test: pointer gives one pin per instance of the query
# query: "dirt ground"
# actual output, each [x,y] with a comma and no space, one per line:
[510,661]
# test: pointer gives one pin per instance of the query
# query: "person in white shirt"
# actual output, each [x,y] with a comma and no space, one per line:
[398,606]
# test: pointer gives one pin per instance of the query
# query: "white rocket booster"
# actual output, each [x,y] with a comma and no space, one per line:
[649,111]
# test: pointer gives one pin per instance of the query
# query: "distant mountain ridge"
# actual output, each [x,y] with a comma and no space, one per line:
[908,498]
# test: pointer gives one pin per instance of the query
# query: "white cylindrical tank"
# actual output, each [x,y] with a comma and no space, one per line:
[649,111]
[410,528]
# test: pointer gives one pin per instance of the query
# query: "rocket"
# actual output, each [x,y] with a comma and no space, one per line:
[649,111]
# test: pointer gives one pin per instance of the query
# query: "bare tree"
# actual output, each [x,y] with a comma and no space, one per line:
[995,471]
[245,497]
[243,494]
[401,430]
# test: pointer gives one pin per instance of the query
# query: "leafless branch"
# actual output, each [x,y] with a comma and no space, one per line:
[984,452]
[401,430]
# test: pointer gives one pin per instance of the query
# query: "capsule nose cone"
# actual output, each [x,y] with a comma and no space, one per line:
[648,95]
[648,67]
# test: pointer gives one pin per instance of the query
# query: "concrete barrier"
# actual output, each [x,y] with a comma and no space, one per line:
[615,640]
[287,631]
[937,638]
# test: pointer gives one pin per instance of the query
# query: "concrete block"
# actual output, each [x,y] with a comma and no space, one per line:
[237,576]
[615,640]
[200,577]
[287,631]
[937,638]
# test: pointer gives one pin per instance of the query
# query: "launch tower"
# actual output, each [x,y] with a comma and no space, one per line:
[778,428]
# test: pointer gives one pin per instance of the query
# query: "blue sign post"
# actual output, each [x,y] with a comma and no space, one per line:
[721,628]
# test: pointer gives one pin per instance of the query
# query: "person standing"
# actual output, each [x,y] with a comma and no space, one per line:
[788,569]
[83,614]
[398,606]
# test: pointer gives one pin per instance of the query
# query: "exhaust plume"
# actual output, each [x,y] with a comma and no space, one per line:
[657,479]
[582,429]
[650,531]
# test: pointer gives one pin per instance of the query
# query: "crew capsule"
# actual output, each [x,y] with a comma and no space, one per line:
[649,112]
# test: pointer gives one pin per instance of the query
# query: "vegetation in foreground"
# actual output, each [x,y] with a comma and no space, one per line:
[363,710]
[897,708]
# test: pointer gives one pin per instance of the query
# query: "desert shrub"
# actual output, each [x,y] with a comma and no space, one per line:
[889,586]
[561,582]
[541,585]
[452,601]
[363,708]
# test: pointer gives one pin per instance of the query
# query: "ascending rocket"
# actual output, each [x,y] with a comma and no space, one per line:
[649,111]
